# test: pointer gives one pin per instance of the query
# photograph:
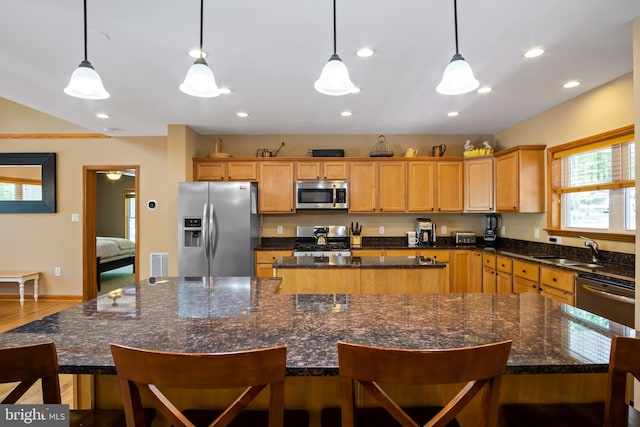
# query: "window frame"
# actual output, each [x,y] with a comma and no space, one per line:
[554,206]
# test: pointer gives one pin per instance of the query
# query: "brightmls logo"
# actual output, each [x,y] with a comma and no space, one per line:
[34,415]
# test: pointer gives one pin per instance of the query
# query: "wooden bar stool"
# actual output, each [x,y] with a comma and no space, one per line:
[480,367]
[30,363]
[613,412]
[144,372]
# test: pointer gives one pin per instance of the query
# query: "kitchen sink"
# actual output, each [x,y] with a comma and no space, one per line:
[569,262]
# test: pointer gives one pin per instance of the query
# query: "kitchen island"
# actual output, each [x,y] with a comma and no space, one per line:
[361,275]
[563,349]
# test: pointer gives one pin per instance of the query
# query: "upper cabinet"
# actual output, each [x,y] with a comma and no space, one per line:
[479,184]
[228,170]
[519,178]
[322,170]
[276,187]
[377,186]
[420,186]
[449,181]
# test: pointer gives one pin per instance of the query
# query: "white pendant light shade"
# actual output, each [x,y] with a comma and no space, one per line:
[200,81]
[334,79]
[86,83]
[457,78]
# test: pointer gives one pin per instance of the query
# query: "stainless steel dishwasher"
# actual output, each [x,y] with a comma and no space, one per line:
[606,298]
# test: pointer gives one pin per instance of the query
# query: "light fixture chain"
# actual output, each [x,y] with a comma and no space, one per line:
[85,30]
[201,25]
[335,50]
[455,22]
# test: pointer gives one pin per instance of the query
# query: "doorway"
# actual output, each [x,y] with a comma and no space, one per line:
[127,225]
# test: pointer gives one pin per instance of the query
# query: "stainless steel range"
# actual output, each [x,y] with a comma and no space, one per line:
[322,241]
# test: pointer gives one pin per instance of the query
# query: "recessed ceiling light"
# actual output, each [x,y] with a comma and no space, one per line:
[225,90]
[452,113]
[195,53]
[365,52]
[355,89]
[102,115]
[485,89]
[570,84]
[532,53]
[242,114]
[346,114]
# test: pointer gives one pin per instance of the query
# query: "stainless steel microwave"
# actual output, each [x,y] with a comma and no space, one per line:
[322,195]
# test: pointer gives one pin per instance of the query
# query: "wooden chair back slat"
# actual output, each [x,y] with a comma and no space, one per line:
[479,367]
[143,372]
[624,359]
[27,364]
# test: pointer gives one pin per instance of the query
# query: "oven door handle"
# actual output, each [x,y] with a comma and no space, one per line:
[609,295]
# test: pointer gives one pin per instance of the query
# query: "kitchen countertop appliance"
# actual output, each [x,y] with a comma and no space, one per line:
[218,228]
[322,194]
[322,241]
[464,237]
[492,222]
[426,231]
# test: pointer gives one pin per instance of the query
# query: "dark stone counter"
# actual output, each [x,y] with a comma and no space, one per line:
[358,262]
[238,313]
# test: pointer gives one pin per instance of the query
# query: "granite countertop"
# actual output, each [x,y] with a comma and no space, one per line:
[240,313]
[358,262]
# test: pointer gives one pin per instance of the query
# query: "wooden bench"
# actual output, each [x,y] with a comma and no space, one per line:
[21,277]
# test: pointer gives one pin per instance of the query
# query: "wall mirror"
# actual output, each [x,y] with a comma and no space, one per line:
[27,182]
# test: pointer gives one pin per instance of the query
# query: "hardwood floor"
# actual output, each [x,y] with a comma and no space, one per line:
[12,315]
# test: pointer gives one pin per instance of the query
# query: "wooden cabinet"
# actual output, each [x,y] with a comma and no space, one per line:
[322,169]
[449,186]
[420,186]
[479,185]
[504,276]
[489,273]
[265,259]
[466,271]
[377,186]
[558,284]
[367,252]
[276,187]
[519,177]
[440,255]
[217,170]
[526,276]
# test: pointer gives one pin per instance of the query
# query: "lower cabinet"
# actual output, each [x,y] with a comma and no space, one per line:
[526,276]
[265,259]
[558,284]
[504,276]
[466,271]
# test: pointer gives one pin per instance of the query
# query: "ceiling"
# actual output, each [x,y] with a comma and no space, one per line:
[269,53]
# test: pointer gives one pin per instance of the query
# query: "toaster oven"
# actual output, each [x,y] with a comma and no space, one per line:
[464,237]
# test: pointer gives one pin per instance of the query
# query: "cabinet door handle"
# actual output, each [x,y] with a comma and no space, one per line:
[554,279]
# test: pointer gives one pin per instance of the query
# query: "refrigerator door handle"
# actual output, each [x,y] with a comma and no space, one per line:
[213,230]
[205,230]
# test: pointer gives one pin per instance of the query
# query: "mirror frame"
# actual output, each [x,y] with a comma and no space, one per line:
[48,163]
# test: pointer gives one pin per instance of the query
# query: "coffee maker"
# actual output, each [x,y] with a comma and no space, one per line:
[425,231]
[492,222]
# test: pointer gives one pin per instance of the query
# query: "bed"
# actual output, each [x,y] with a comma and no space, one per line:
[112,253]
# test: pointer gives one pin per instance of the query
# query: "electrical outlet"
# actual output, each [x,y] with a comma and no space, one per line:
[279,229]
[503,230]
[536,233]
[443,229]
[555,239]
[381,229]
[57,271]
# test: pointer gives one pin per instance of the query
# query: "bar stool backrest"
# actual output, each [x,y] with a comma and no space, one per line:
[143,372]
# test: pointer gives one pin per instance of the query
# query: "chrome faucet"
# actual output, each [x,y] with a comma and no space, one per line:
[593,245]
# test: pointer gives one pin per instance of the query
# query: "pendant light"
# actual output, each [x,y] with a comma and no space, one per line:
[85,82]
[334,79]
[199,80]
[458,77]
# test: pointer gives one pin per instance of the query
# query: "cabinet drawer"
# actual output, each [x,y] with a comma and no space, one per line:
[504,264]
[489,260]
[400,252]
[367,252]
[558,295]
[439,255]
[526,270]
[268,257]
[560,279]
[524,285]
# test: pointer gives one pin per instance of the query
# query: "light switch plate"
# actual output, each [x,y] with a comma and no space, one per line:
[443,229]
[279,229]
[381,229]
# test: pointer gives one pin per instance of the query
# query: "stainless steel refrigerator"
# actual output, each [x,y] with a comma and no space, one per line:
[218,228]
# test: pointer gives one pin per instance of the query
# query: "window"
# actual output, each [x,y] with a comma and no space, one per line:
[592,185]
[130,215]
[20,189]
